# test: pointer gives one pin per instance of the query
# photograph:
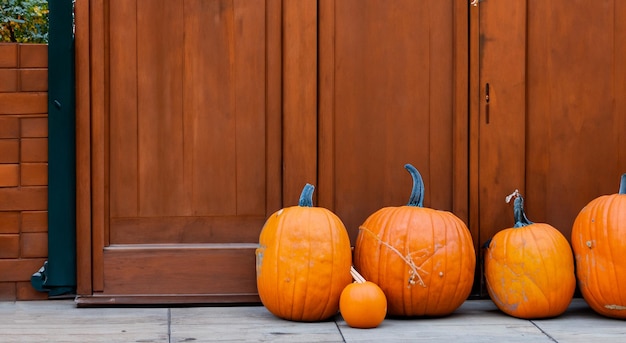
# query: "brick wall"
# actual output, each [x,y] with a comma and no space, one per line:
[23,168]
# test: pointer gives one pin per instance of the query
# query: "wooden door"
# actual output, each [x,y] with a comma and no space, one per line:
[554,126]
[185,136]
[392,90]
[193,132]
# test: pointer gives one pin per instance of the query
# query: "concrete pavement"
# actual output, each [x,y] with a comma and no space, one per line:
[474,321]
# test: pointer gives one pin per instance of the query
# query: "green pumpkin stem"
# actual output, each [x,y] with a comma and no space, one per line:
[306,197]
[417,192]
[622,185]
[519,214]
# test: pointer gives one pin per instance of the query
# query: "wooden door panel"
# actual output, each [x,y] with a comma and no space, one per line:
[386,99]
[186,229]
[498,163]
[576,121]
[193,143]
[155,270]
[556,106]
[191,146]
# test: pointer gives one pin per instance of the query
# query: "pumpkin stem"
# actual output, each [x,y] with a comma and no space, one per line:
[306,198]
[622,185]
[518,209]
[417,192]
[356,276]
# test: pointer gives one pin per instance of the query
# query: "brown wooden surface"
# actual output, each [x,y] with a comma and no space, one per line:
[299,98]
[191,133]
[499,127]
[576,117]
[557,124]
[184,121]
[180,269]
[386,99]
[83,150]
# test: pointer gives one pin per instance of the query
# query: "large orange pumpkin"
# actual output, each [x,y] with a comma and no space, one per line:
[423,259]
[303,261]
[599,242]
[529,268]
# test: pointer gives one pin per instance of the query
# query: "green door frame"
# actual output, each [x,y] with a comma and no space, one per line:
[58,275]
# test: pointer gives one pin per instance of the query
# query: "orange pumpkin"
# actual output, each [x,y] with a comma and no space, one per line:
[303,261]
[362,303]
[529,268]
[423,259]
[599,243]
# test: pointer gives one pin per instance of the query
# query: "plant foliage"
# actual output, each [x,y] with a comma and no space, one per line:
[24,21]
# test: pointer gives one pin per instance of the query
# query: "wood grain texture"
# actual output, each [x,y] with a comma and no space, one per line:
[386,99]
[210,269]
[500,125]
[576,109]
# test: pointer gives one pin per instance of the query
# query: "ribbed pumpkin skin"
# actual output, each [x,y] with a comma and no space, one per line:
[599,243]
[363,305]
[303,263]
[530,271]
[438,243]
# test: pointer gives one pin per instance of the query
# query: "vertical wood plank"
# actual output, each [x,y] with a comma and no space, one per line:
[620,81]
[273,105]
[441,100]
[160,109]
[574,122]
[97,86]
[210,110]
[501,123]
[250,92]
[123,171]
[299,97]
[83,147]
[326,103]
[474,104]
[460,144]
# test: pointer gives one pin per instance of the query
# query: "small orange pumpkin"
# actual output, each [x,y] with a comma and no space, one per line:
[303,261]
[599,243]
[423,259]
[529,268]
[362,303]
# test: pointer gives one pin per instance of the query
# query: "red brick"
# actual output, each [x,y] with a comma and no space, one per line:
[34,244]
[33,80]
[19,270]
[10,246]
[8,55]
[33,174]
[7,291]
[9,222]
[9,175]
[9,150]
[33,56]
[34,150]
[9,127]
[24,103]
[35,221]
[34,127]
[8,80]
[25,291]
[24,199]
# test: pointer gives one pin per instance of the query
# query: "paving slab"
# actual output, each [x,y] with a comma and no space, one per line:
[245,324]
[474,321]
[579,324]
[61,321]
